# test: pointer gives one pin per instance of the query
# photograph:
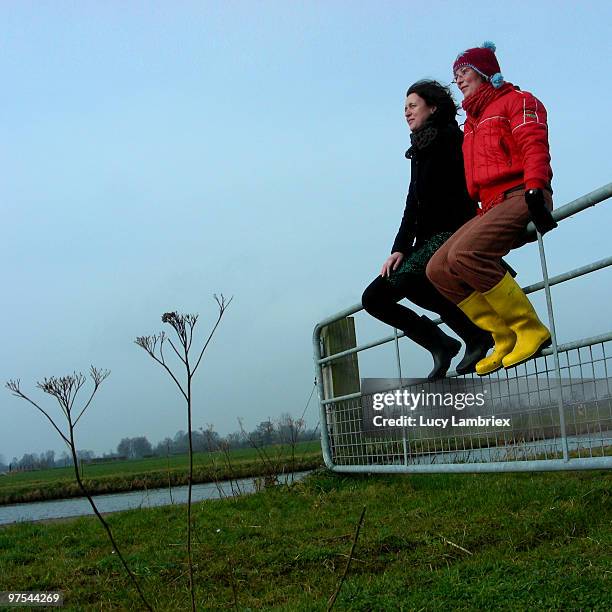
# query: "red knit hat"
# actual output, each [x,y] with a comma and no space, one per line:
[483,61]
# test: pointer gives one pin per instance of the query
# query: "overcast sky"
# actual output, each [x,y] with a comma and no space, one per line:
[155,153]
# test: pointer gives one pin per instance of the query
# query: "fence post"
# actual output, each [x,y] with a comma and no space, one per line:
[340,376]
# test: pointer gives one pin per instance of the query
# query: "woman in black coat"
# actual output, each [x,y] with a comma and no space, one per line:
[437,205]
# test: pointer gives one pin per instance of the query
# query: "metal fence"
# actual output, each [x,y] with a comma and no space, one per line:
[559,404]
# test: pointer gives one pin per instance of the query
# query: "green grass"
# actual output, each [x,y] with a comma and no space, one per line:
[535,541]
[154,472]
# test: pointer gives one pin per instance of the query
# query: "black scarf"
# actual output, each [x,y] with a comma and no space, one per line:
[422,138]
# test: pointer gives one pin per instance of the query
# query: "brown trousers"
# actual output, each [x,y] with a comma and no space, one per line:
[470,260]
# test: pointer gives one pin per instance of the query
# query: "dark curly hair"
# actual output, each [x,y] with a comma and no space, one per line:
[436,94]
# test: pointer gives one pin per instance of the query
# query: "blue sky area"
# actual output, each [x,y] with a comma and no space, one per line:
[155,153]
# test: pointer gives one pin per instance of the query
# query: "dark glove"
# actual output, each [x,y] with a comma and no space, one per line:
[540,215]
[508,268]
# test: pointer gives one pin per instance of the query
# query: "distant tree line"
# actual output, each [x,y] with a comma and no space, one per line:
[44,460]
[285,430]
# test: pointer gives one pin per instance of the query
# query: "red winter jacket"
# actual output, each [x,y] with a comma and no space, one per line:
[506,146]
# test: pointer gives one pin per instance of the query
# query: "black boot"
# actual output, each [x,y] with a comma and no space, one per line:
[442,347]
[477,341]
[475,350]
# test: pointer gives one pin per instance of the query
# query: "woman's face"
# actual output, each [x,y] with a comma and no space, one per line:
[417,112]
[468,80]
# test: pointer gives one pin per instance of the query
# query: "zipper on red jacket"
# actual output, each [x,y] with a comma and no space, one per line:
[472,153]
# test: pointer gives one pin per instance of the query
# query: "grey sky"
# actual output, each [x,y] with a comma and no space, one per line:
[155,153]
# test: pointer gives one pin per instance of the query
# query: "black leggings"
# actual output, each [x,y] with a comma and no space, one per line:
[380,299]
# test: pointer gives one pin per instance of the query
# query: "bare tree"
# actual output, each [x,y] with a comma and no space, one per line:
[65,390]
[183,325]
[217,445]
[48,458]
[270,458]
[289,430]
[134,447]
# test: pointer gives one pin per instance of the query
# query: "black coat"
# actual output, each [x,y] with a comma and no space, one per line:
[437,200]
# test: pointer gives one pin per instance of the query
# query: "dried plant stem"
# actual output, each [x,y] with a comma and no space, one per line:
[447,541]
[233,583]
[332,599]
[65,390]
[189,488]
[168,470]
[105,525]
[183,325]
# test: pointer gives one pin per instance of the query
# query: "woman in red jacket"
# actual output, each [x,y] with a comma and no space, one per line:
[507,166]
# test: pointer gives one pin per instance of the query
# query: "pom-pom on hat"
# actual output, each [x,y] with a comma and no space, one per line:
[481,59]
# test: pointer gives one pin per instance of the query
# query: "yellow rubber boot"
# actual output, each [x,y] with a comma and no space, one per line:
[512,305]
[479,311]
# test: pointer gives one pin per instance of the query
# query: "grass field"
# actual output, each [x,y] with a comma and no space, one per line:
[155,472]
[436,542]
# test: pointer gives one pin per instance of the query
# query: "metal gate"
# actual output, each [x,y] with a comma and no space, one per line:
[559,404]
